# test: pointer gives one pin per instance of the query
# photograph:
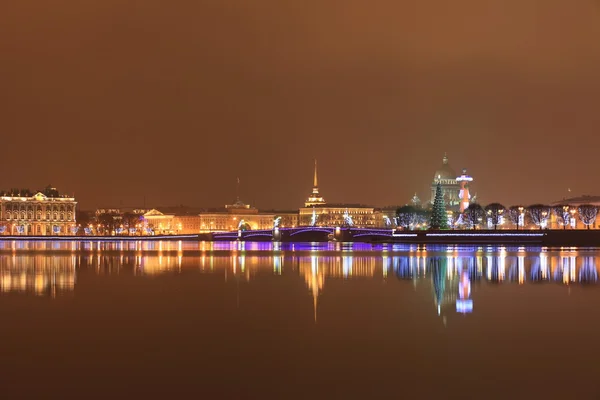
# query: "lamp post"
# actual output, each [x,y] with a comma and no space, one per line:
[500,220]
[573,211]
[565,212]
[521,218]
[543,221]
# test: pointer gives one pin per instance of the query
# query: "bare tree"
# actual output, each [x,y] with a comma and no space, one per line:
[494,212]
[514,214]
[539,214]
[409,217]
[474,215]
[587,214]
[563,215]
[455,219]
[406,216]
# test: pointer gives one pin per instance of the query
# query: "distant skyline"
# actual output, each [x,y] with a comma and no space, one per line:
[115,100]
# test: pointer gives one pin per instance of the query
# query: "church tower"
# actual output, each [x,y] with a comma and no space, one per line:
[315,198]
[446,177]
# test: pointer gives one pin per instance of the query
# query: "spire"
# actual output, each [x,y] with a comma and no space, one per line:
[315,198]
[445,159]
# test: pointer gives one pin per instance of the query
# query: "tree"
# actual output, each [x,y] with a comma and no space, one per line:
[539,214]
[454,219]
[439,218]
[474,215]
[563,215]
[406,216]
[494,212]
[587,214]
[109,222]
[514,214]
[131,220]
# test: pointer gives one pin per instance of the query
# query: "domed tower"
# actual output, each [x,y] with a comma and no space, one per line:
[446,177]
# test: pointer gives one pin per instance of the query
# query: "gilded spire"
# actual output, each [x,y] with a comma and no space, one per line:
[315,198]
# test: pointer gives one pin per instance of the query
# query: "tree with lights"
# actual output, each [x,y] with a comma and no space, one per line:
[587,214]
[439,218]
[539,214]
[474,215]
[494,212]
[514,214]
[563,215]
[406,216]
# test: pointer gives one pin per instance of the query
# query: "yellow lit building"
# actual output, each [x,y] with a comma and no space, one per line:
[317,212]
[44,213]
[233,217]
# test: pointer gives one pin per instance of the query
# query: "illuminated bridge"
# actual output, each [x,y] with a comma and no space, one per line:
[311,233]
[324,233]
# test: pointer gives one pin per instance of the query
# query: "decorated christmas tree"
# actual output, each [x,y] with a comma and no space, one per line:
[439,218]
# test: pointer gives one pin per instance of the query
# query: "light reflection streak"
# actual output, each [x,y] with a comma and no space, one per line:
[23,271]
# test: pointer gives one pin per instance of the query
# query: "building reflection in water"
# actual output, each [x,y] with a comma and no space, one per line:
[41,275]
[451,273]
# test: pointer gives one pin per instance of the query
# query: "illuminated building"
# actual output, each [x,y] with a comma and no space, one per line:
[446,177]
[317,212]
[160,223]
[315,199]
[121,211]
[232,217]
[44,213]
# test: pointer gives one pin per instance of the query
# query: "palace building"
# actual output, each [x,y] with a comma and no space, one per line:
[232,217]
[44,213]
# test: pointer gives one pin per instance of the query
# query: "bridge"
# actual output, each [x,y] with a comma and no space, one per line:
[347,234]
[308,233]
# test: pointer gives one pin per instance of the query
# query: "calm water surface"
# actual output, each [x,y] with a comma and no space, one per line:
[308,321]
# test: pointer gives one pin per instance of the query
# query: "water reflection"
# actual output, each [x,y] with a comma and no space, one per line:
[39,275]
[451,274]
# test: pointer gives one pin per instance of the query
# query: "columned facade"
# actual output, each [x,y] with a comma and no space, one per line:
[45,214]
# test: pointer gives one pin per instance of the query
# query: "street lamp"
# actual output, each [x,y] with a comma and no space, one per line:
[573,211]
[521,218]
[565,212]
[543,221]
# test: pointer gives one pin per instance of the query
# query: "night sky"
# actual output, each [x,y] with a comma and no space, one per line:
[114,100]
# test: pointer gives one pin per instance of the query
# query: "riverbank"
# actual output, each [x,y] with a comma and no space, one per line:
[100,238]
[546,237]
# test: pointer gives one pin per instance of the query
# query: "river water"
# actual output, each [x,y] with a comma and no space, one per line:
[306,321]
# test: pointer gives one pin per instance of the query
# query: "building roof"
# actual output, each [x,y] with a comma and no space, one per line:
[339,205]
[575,201]
[445,171]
